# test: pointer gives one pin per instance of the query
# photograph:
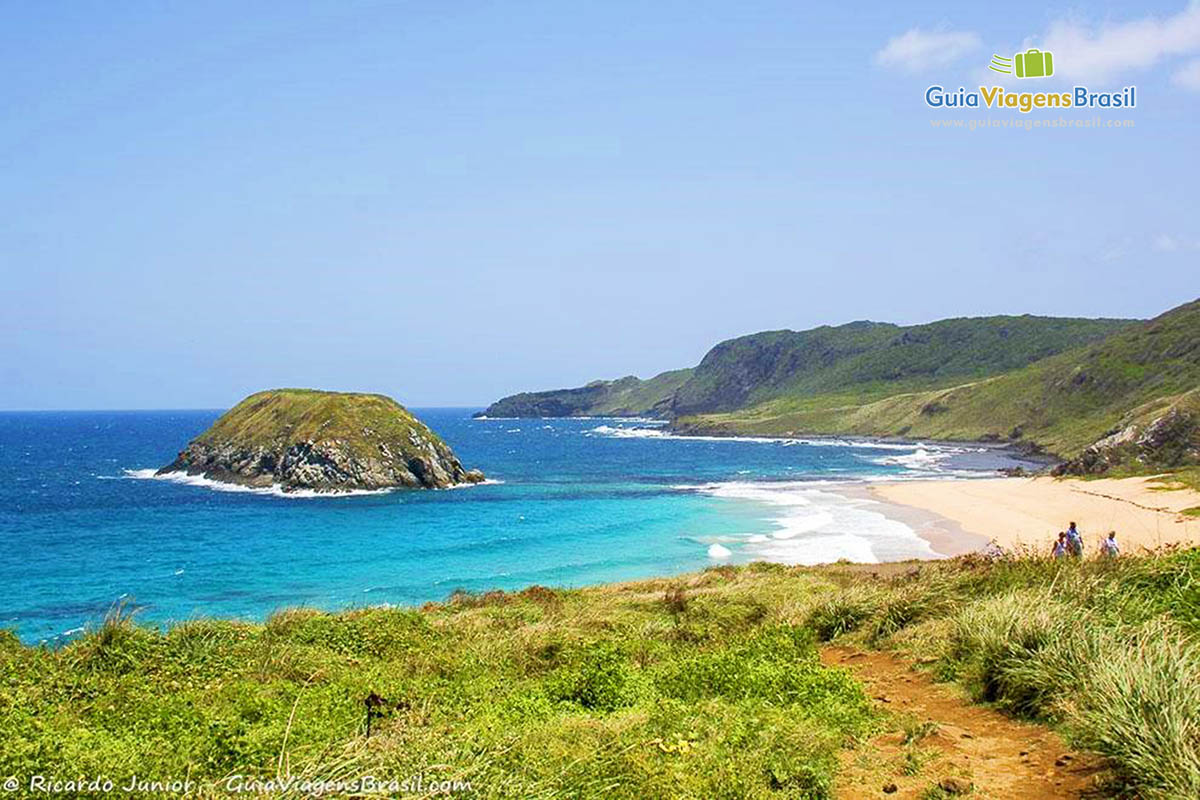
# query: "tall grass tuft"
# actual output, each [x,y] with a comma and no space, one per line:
[117,645]
[1140,706]
[906,606]
[842,613]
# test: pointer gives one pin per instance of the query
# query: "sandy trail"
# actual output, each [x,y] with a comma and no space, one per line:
[1030,512]
[998,756]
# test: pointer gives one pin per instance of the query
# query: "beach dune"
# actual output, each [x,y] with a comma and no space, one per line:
[1029,512]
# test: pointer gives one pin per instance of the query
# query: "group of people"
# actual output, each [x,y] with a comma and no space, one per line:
[1070,543]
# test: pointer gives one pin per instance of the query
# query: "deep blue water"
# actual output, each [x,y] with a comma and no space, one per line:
[580,501]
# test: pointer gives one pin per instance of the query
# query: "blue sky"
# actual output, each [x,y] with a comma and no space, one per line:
[451,202]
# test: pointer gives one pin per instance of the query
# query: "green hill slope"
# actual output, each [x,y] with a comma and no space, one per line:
[1122,385]
[869,358]
[626,397]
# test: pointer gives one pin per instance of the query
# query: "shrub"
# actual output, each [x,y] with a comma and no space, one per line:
[365,632]
[543,596]
[598,679]
[903,609]
[1020,650]
[778,665]
[840,614]
[117,645]
[675,601]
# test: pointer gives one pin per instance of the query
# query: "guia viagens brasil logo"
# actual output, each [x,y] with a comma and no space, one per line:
[1033,63]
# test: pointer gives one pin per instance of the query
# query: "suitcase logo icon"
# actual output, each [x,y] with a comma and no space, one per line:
[1033,63]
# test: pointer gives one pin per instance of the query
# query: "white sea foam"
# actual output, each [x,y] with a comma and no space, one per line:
[921,458]
[930,451]
[793,526]
[275,490]
[813,525]
[719,551]
[469,484]
[627,433]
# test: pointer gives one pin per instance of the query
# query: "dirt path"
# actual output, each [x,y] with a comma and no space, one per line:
[943,738]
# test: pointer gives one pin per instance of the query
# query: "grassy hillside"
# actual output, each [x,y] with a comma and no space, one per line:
[1062,403]
[626,397]
[1105,650]
[865,359]
[703,686]
[642,691]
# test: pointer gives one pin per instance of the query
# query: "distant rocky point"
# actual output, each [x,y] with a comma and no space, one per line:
[322,441]
[625,397]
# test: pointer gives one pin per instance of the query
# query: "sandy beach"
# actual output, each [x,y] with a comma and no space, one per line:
[1029,512]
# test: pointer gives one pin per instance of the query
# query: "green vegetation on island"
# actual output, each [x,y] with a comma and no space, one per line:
[322,441]
[700,686]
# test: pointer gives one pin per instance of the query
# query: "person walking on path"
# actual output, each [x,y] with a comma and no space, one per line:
[1075,541]
[1109,546]
[1060,546]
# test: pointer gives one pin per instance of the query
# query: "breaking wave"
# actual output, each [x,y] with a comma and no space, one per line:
[274,490]
[813,525]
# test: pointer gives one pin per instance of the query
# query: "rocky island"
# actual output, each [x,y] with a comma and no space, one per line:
[322,441]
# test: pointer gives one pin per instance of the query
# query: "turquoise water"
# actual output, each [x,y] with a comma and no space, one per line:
[577,501]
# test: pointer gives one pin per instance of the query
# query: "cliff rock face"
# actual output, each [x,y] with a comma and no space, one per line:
[322,441]
[1162,441]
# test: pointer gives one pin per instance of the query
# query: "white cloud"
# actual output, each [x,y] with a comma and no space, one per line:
[917,50]
[1166,243]
[1188,76]
[1171,243]
[1083,51]
[1175,242]
[1086,52]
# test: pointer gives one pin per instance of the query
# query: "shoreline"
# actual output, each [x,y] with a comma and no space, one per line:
[955,517]
[946,536]
[1015,450]
[1022,513]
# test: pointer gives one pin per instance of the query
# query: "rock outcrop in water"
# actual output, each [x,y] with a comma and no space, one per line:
[322,441]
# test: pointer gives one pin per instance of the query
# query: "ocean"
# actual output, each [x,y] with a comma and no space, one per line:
[84,524]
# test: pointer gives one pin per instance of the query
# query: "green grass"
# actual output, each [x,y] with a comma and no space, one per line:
[707,690]
[704,686]
[1182,479]
[265,419]
[1105,650]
